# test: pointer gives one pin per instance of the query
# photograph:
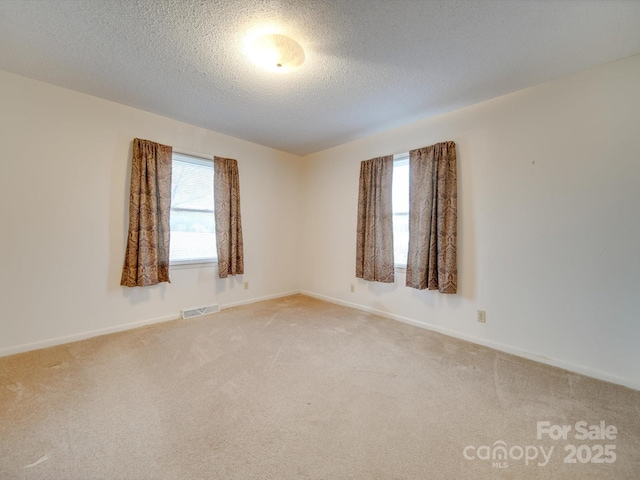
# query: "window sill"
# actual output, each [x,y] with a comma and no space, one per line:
[400,268]
[195,264]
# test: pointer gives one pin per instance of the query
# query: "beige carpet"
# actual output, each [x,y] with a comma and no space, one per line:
[296,388]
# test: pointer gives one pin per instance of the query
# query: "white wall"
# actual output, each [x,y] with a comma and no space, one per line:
[549,229]
[64,182]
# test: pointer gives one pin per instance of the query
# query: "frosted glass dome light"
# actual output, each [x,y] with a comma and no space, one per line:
[277,53]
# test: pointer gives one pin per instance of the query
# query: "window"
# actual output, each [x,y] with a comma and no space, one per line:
[193,228]
[400,199]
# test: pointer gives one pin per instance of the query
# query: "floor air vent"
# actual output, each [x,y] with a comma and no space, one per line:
[196,312]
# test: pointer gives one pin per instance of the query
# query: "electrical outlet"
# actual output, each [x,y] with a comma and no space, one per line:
[482,316]
[246,285]
[353,288]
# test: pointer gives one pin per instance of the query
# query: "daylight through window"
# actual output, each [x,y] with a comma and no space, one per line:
[400,198]
[193,229]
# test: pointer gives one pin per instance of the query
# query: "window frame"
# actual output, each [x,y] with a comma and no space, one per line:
[196,159]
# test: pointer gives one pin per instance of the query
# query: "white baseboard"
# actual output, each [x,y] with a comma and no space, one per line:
[588,372]
[119,328]
[630,383]
[82,336]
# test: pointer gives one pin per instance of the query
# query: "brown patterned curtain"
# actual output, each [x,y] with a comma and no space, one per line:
[433,214]
[147,259]
[227,212]
[374,246]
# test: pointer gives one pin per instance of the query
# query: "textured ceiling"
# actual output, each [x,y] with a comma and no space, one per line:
[371,64]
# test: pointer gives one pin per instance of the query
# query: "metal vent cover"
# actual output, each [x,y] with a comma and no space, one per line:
[196,312]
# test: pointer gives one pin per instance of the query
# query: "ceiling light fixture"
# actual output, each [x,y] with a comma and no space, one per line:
[277,53]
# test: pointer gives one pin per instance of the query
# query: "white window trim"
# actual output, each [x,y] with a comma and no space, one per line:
[185,264]
[198,158]
[401,158]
